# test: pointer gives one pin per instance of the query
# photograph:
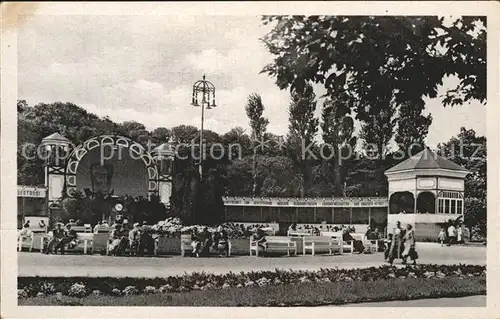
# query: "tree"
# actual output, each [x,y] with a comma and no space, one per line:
[377,128]
[338,128]
[211,205]
[238,177]
[185,192]
[161,135]
[469,150]
[237,143]
[185,133]
[414,53]
[258,123]
[278,178]
[412,128]
[302,129]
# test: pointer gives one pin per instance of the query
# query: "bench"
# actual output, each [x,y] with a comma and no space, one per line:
[297,233]
[346,244]
[321,242]
[371,245]
[25,241]
[275,243]
[82,229]
[186,245]
[85,238]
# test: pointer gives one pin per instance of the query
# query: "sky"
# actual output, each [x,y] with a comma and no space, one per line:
[142,68]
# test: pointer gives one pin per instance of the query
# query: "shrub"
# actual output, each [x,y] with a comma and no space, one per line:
[150,290]
[116,292]
[48,288]
[165,288]
[130,290]
[21,293]
[77,290]
[204,281]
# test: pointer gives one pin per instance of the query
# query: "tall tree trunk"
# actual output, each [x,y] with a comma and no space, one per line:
[254,172]
[337,169]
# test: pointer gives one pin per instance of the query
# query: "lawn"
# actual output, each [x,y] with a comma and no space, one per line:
[297,294]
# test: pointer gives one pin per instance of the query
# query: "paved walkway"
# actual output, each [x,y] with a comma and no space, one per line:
[472,301]
[37,264]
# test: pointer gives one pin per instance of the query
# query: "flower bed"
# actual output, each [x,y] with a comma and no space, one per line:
[299,294]
[84,286]
[173,227]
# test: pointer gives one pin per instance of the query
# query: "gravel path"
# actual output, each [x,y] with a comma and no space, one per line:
[37,264]
[471,301]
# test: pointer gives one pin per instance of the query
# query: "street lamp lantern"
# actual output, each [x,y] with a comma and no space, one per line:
[203,93]
[207,91]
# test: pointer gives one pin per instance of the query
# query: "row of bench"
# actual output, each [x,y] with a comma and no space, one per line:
[326,241]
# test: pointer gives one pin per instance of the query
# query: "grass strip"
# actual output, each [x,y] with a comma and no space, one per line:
[301,294]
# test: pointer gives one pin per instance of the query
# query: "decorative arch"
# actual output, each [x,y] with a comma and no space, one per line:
[136,149]
[426,203]
[401,201]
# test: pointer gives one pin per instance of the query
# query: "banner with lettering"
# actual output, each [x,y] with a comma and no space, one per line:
[310,202]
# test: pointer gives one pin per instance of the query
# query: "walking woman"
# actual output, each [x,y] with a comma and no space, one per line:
[396,243]
[409,245]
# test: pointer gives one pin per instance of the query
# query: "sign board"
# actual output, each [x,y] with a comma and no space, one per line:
[30,191]
[308,202]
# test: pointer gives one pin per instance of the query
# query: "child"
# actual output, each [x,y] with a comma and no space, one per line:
[388,242]
[442,236]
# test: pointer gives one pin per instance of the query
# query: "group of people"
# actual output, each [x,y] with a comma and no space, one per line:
[401,245]
[135,240]
[316,230]
[451,236]
[62,238]
[204,241]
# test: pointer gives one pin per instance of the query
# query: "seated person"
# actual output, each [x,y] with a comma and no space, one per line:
[293,227]
[260,238]
[368,233]
[70,237]
[221,241]
[205,239]
[57,242]
[316,231]
[357,244]
[97,226]
[25,232]
[42,225]
[146,241]
[134,237]
[195,243]
[116,241]
[125,226]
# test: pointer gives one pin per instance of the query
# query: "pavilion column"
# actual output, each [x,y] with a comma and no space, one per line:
[369,215]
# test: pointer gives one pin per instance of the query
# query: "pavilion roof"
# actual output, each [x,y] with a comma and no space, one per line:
[426,159]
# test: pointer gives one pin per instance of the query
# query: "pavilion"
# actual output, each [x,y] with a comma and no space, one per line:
[426,191]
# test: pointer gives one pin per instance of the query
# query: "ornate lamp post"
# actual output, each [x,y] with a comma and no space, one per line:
[207,91]
[55,151]
[164,156]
